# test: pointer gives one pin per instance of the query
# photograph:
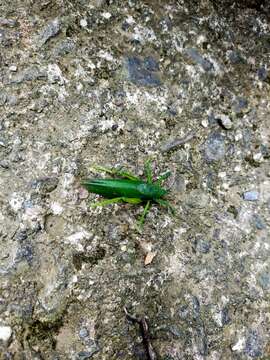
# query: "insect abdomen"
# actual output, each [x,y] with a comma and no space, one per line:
[111,188]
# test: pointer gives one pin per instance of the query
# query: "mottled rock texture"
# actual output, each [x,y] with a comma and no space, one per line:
[114,83]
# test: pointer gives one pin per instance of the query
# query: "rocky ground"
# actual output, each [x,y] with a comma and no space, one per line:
[185,83]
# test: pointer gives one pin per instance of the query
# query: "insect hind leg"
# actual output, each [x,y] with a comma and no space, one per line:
[107,202]
[166,204]
[163,177]
[148,171]
[112,171]
[145,212]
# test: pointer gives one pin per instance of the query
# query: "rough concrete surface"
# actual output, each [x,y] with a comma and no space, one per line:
[114,83]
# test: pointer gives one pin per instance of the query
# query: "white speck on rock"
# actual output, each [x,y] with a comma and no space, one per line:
[143,34]
[105,55]
[238,136]
[239,346]
[5,333]
[43,161]
[16,202]
[222,174]
[75,239]
[258,157]
[218,318]
[13,68]
[201,39]
[83,23]
[56,208]
[74,279]
[55,74]
[237,168]
[106,15]
[129,20]
[204,123]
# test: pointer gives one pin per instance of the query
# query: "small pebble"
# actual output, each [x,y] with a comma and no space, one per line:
[2,143]
[258,157]
[13,68]
[5,333]
[83,23]
[237,168]
[204,123]
[238,136]
[106,15]
[225,121]
[4,164]
[251,195]
[56,208]
[12,100]
[83,333]
[262,73]
[222,174]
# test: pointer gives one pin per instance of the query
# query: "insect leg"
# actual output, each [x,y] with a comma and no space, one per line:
[166,204]
[128,175]
[145,211]
[121,173]
[163,177]
[107,202]
[132,200]
[103,169]
[148,171]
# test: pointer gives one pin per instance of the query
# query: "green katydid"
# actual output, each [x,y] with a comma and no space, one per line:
[130,189]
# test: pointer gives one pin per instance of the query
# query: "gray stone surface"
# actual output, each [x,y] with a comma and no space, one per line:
[115,83]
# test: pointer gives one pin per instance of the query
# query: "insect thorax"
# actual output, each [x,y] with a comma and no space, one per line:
[151,191]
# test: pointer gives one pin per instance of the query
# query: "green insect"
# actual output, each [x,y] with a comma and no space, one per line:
[130,189]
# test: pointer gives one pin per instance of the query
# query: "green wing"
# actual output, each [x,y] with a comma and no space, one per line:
[113,188]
